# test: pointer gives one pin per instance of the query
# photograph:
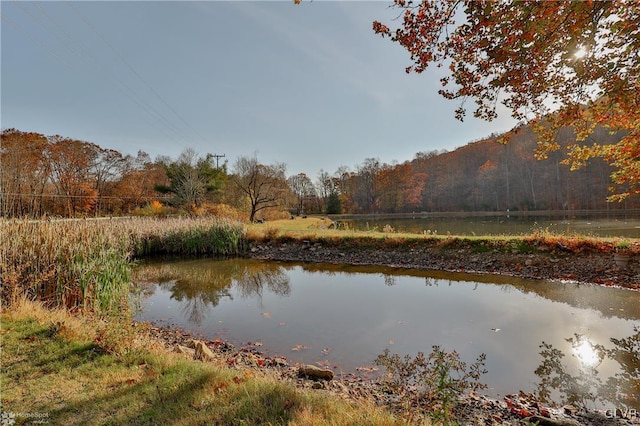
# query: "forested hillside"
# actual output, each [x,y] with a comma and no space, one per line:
[487,175]
[482,176]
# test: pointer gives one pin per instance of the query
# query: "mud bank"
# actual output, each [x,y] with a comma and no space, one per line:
[546,263]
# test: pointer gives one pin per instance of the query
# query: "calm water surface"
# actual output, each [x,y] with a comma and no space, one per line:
[602,225]
[343,317]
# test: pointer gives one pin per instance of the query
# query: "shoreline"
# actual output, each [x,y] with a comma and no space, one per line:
[555,264]
[512,409]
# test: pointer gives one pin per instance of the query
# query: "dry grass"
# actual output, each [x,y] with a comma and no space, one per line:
[53,364]
[321,229]
[85,264]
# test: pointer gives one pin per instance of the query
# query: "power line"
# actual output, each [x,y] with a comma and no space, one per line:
[107,197]
[90,59]
[217,157]
[23,31]
[85,55]
[113,49]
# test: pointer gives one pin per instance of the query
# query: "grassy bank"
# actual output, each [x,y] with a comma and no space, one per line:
[74,357]
[321,230]
[57,368]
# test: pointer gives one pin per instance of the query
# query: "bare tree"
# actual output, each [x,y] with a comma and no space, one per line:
[303,188]
[264,186]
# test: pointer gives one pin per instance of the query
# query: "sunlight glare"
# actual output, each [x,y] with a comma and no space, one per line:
[585,352]
[580,53]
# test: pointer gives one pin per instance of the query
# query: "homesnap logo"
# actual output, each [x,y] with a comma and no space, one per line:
[8,419]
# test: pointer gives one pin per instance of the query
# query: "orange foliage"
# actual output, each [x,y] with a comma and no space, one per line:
[553,63]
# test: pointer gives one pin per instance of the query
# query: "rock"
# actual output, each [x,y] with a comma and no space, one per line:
[544,421]
[185,351]
[313,372]
[201,351]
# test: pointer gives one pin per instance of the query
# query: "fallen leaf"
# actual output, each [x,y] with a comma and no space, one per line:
[220,386]
[367,368]
[325,363]
[298,348]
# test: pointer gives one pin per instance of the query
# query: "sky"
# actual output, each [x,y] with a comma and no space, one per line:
[307,85]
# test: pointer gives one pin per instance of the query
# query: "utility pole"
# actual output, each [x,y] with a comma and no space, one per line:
[218,157]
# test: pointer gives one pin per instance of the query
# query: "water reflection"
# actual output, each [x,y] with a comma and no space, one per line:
[585,386]
[200,286]
[344,316]
[586,353]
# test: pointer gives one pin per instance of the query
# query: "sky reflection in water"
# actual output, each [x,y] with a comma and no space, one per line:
[345,316]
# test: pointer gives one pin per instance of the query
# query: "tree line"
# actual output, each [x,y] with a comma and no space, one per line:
[59,176]
[486,175]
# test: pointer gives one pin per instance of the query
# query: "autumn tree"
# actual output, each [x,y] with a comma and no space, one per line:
[71,164]
[107,169]
[365,182]
[400,188]
[347,190]
[303,189]
[138,180]
[24,173]
[192,178]
[552,63]
[264,186]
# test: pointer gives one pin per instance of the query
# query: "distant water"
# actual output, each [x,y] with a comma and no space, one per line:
[602,225]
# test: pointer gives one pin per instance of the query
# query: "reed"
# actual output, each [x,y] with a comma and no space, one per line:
[86,264]
[187,236]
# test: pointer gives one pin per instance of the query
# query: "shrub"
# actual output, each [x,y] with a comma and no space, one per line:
[436,381]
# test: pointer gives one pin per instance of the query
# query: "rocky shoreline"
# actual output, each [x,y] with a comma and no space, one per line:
[514,409]
[474,409]
[550,263]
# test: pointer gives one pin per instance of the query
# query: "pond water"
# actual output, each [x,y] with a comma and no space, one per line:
[611,224]
[342,317]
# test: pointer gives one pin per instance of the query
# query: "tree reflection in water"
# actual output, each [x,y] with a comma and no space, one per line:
[585,386]
[201,285]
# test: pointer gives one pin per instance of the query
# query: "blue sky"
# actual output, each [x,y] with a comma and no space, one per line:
[308,85]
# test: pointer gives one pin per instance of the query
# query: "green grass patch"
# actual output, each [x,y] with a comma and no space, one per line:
[58,370]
